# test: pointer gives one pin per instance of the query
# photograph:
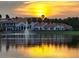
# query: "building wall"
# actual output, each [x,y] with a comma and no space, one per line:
[21,26]
[7,26]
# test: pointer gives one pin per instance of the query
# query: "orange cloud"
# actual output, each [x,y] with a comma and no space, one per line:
[48,8]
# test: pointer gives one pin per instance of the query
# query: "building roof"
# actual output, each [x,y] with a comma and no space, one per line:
[7,21]
[16,20]
[53,25]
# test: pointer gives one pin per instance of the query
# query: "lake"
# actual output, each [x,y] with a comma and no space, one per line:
[19,45]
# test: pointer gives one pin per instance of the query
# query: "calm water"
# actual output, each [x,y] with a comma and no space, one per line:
[39,45]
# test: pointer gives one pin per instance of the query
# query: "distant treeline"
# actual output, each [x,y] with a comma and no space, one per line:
[73,21]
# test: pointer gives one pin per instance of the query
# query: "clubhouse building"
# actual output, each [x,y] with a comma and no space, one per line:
[21,24]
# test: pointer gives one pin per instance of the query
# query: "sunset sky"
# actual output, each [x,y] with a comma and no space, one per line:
[50,9]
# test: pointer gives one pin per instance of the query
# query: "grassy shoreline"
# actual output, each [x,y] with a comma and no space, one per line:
[49,32]
[58,32]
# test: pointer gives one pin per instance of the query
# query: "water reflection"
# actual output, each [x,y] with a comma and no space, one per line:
[49,51]
[41,45]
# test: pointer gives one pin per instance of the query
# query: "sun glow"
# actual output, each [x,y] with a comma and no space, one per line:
[40,10]
[47,8]
[47,51]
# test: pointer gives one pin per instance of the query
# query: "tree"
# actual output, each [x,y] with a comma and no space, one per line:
[29,20]
[34,19]
[39,20]
[16,17]
[73,21]
[59,20]
[45,20]
[7,16]
[0,16]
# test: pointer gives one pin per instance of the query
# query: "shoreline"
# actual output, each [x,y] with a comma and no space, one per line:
[58,32]
[47,32]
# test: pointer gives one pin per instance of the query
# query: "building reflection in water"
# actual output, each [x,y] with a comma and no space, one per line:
[7,45]
[43,45]
[0,45]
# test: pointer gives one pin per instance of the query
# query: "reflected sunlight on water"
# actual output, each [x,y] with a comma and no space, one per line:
[39,45]
[48,51]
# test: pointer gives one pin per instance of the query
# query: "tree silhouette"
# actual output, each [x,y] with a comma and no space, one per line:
[45,20]
[29,20]
[0,16]
[34,19]
[39,20]
[7,16]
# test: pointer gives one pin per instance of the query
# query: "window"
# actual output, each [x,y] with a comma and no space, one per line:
[35,29]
